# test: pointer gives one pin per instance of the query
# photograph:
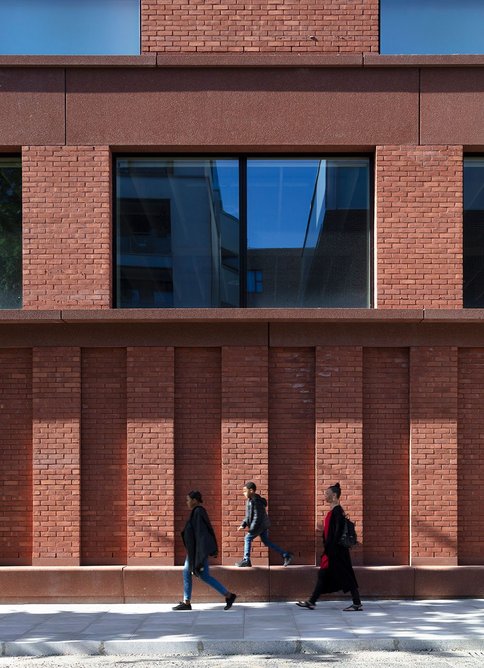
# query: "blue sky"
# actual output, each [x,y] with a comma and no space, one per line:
[69,27]
[432,26]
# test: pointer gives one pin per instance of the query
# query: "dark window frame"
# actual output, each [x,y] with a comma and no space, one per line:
[466,156]
[242,158]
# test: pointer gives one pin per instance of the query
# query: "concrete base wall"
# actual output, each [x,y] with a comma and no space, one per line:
[128,584]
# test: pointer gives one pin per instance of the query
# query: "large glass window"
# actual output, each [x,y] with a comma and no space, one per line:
[10,233]
[474,232]
[70,27]
[257,232]
[431,26]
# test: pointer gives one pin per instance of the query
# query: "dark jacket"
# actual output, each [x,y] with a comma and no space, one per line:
[340,572]
[256,518]
[199,539]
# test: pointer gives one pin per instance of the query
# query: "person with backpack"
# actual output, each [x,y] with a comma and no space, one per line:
[257,524]
[200,543]
[335,570]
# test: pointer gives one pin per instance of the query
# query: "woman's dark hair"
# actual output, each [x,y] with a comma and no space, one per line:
[336,489]
[196,495]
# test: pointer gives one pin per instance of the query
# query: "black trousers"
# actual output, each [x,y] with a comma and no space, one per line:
[321,587]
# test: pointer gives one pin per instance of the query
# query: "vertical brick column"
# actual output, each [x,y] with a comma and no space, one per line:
[66,220]
[333,26]
[339,433]
[151,471]
[16,449]
[244,441]
[433,438]
[471,456]
[291,451]
[56,391]
[197,437]
[386,456]
[419,226]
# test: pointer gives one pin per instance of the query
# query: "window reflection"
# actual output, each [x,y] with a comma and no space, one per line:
[178,241]
[474,232]
[10,233]
[308,232]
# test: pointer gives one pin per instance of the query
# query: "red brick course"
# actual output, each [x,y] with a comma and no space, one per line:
[66,227]
[419,226]
[331,26]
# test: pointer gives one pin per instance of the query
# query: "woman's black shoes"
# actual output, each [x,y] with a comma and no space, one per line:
[182,606]
[229,601]
[353,608]
[306,604]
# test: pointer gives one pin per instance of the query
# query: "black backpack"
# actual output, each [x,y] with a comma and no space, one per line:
[348,536]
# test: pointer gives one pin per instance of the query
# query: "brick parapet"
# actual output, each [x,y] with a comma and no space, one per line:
[331,26]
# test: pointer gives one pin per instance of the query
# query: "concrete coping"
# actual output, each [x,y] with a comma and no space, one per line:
[231,315]
[241,60]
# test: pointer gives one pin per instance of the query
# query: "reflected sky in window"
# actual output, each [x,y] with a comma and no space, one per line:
[432,26]
[70,27]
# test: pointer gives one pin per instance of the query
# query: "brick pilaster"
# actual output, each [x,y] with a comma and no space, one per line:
[244,441]
[56,391]
[433,438]
[151,470]
[339,433]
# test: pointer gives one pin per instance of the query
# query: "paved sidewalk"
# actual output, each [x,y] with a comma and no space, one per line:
[249,628]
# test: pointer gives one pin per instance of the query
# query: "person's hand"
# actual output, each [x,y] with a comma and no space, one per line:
[240,528]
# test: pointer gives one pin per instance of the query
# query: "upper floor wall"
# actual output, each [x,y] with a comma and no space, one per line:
[327,26]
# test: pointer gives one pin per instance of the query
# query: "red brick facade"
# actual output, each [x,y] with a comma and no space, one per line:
[110,416]
[266,26]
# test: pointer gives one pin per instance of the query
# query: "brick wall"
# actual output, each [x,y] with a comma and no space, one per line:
[104,456]
[386,456]
[197,436]
[319,26]
[56,403]
[91,441]
[66,223]
[419,226]
[16,448]
[150,455]
[245,441]
[470,473]
[291,451]
[339,432]
[433,438]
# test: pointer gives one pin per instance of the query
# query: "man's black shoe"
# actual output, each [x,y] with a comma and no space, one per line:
[229,601]
[182,606]
[244,563]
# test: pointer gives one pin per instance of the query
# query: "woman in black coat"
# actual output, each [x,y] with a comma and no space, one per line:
[336,571]
[200,544]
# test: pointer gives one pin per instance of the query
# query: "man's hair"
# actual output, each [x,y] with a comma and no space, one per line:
[196,495]
[250,485]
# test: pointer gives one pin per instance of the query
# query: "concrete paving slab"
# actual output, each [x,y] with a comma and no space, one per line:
[249,628]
